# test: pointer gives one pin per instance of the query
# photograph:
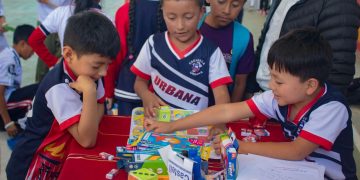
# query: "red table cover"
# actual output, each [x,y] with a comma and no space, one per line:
[114,131]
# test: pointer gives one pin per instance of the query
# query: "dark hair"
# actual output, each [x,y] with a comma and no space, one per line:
[22,32]
[91,32]
[83,5]
[132,24]
[303,53]
[199,2]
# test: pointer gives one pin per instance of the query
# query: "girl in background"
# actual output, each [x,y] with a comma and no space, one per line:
[182,65]
[135,20]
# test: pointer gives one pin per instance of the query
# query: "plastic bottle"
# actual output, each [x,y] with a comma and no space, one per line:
[193,155]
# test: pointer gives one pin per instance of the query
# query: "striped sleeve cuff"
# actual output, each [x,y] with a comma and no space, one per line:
[254,109]
[324,143]
[221,81]
[69,122]
[139,73]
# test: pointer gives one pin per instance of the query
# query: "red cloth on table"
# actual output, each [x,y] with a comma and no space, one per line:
[114,131]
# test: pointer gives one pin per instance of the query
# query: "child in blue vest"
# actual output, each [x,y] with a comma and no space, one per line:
[313,115]
[181,64]
[234,40]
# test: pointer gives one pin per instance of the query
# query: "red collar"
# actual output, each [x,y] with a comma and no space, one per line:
[179,53]
[68,71]
[305,109]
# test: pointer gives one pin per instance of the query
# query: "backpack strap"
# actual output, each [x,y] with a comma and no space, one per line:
[202,20]
[241,38]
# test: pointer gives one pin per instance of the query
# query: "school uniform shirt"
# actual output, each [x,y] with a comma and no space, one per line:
[55,22]
[44,143]
[182,78]
[325,121]
[44,9]
[10,71]
[223,37]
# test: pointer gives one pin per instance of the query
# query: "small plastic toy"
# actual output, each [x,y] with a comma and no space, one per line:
[112,174]
[163,113]
[142,174]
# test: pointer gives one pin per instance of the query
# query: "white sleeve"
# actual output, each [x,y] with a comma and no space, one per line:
[66,109]
[53,21]
[6,78]
[142,66]
[218,72]
[325,124]
[263,105]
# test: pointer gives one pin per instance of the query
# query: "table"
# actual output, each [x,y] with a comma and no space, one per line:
[113,131]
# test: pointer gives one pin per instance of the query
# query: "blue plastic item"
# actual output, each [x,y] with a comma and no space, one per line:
[193,155]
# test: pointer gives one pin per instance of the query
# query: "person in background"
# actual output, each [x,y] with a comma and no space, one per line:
[135,20]
[234,40]
[3,42]
[15,101]
[56,22]
[337,21]
[45,7]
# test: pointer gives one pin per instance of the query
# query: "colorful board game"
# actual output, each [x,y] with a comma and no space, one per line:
[165,114]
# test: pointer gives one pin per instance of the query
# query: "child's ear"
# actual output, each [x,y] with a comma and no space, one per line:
[68,53]
[312,85]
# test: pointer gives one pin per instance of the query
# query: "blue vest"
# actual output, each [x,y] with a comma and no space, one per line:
[241,38]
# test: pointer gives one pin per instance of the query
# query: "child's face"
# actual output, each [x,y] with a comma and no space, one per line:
[181,18]
[287,89]
[224,12]
[25,50]
[91,65]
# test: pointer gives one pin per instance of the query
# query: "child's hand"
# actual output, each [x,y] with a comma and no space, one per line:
[83,84]
[150,102]
[158,127]
[12,130]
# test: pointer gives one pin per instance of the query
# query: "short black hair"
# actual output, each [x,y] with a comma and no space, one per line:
[303,53]
[22,32]
[199,2]
[90,32]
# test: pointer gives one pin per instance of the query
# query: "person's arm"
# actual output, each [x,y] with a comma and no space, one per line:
[294,150]
[11,130]
[85,131]
[342,36]
[149,99]
[215,115]
[122,26]
[36,41]
[239,88]
[221,94]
